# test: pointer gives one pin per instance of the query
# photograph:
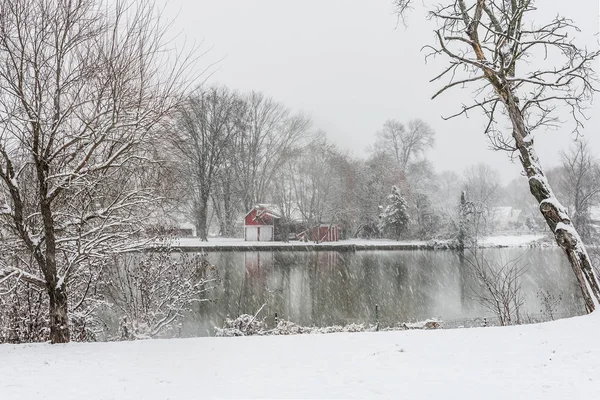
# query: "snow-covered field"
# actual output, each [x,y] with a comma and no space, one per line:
[552,361]
[511,240]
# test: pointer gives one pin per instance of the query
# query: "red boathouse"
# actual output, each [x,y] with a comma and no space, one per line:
[259,224]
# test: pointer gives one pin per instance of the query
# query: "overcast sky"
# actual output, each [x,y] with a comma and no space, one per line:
[349,66]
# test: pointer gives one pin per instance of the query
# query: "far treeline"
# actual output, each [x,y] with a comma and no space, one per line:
[230,151]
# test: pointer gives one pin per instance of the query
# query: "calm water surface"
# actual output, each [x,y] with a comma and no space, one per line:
[327,288]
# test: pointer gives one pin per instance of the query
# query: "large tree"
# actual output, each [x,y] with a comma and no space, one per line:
[270,137]
[206,126]
[579,185]
[315,184]
[524,70]
[482,187]
[84,86]
[402,143]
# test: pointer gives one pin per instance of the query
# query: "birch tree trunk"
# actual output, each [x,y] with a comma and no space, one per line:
[553,211]
[526,72]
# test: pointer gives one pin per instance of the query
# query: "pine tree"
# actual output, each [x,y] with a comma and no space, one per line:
[394,220]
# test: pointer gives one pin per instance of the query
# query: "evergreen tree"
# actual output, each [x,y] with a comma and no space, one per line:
[394,219]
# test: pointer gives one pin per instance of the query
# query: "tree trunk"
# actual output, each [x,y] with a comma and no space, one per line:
[59,322]
[220,215]
[462,222]
[554,213]
[228,210]
[202,226]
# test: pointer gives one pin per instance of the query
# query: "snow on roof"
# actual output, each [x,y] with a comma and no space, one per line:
[270,209]
[276,212]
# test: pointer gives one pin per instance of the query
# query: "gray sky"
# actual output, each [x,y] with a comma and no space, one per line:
[350,67]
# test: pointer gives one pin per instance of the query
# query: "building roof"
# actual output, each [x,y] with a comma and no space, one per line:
[268,209]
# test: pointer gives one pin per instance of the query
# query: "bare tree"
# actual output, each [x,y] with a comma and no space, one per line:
[580,185]
[153,291]
[482,188]
[497,287]
[405,144]
[315,185]
[489,44]
[270,136]
[224,196]
[206,129]
[83,88]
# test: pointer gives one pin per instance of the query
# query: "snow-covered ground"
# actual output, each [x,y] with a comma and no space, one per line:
[511,240]
[492,241]
[552,361]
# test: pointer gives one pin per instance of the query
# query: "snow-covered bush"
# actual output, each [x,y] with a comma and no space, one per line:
[497,286]
[244,325]
[550,303]
[23,315]
[152,291]
[248,325]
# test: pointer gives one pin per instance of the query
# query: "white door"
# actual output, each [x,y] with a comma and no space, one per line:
[266,233]
[251,233]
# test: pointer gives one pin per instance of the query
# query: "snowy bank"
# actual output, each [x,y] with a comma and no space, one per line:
[511,240]
[556,360]
[235,244]
[249,325]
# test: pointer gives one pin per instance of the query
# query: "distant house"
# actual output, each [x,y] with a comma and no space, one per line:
[506,218]
[265,223]
[168,225]
[184,229]
[260,223]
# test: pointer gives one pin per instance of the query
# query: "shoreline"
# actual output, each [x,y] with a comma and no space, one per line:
[352,245]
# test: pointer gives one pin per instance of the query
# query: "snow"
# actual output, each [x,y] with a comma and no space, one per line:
[491,241]
[240,242]
[561,226]
[60,282]
[551,361]
[553,201]
[595,213]
[528,138]
[510,240]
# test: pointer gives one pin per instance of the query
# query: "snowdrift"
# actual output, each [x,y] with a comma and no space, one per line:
[556,360]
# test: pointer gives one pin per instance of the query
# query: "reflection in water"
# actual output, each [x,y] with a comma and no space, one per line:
[327,288]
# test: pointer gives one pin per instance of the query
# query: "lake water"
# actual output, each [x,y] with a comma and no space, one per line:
[336,288]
